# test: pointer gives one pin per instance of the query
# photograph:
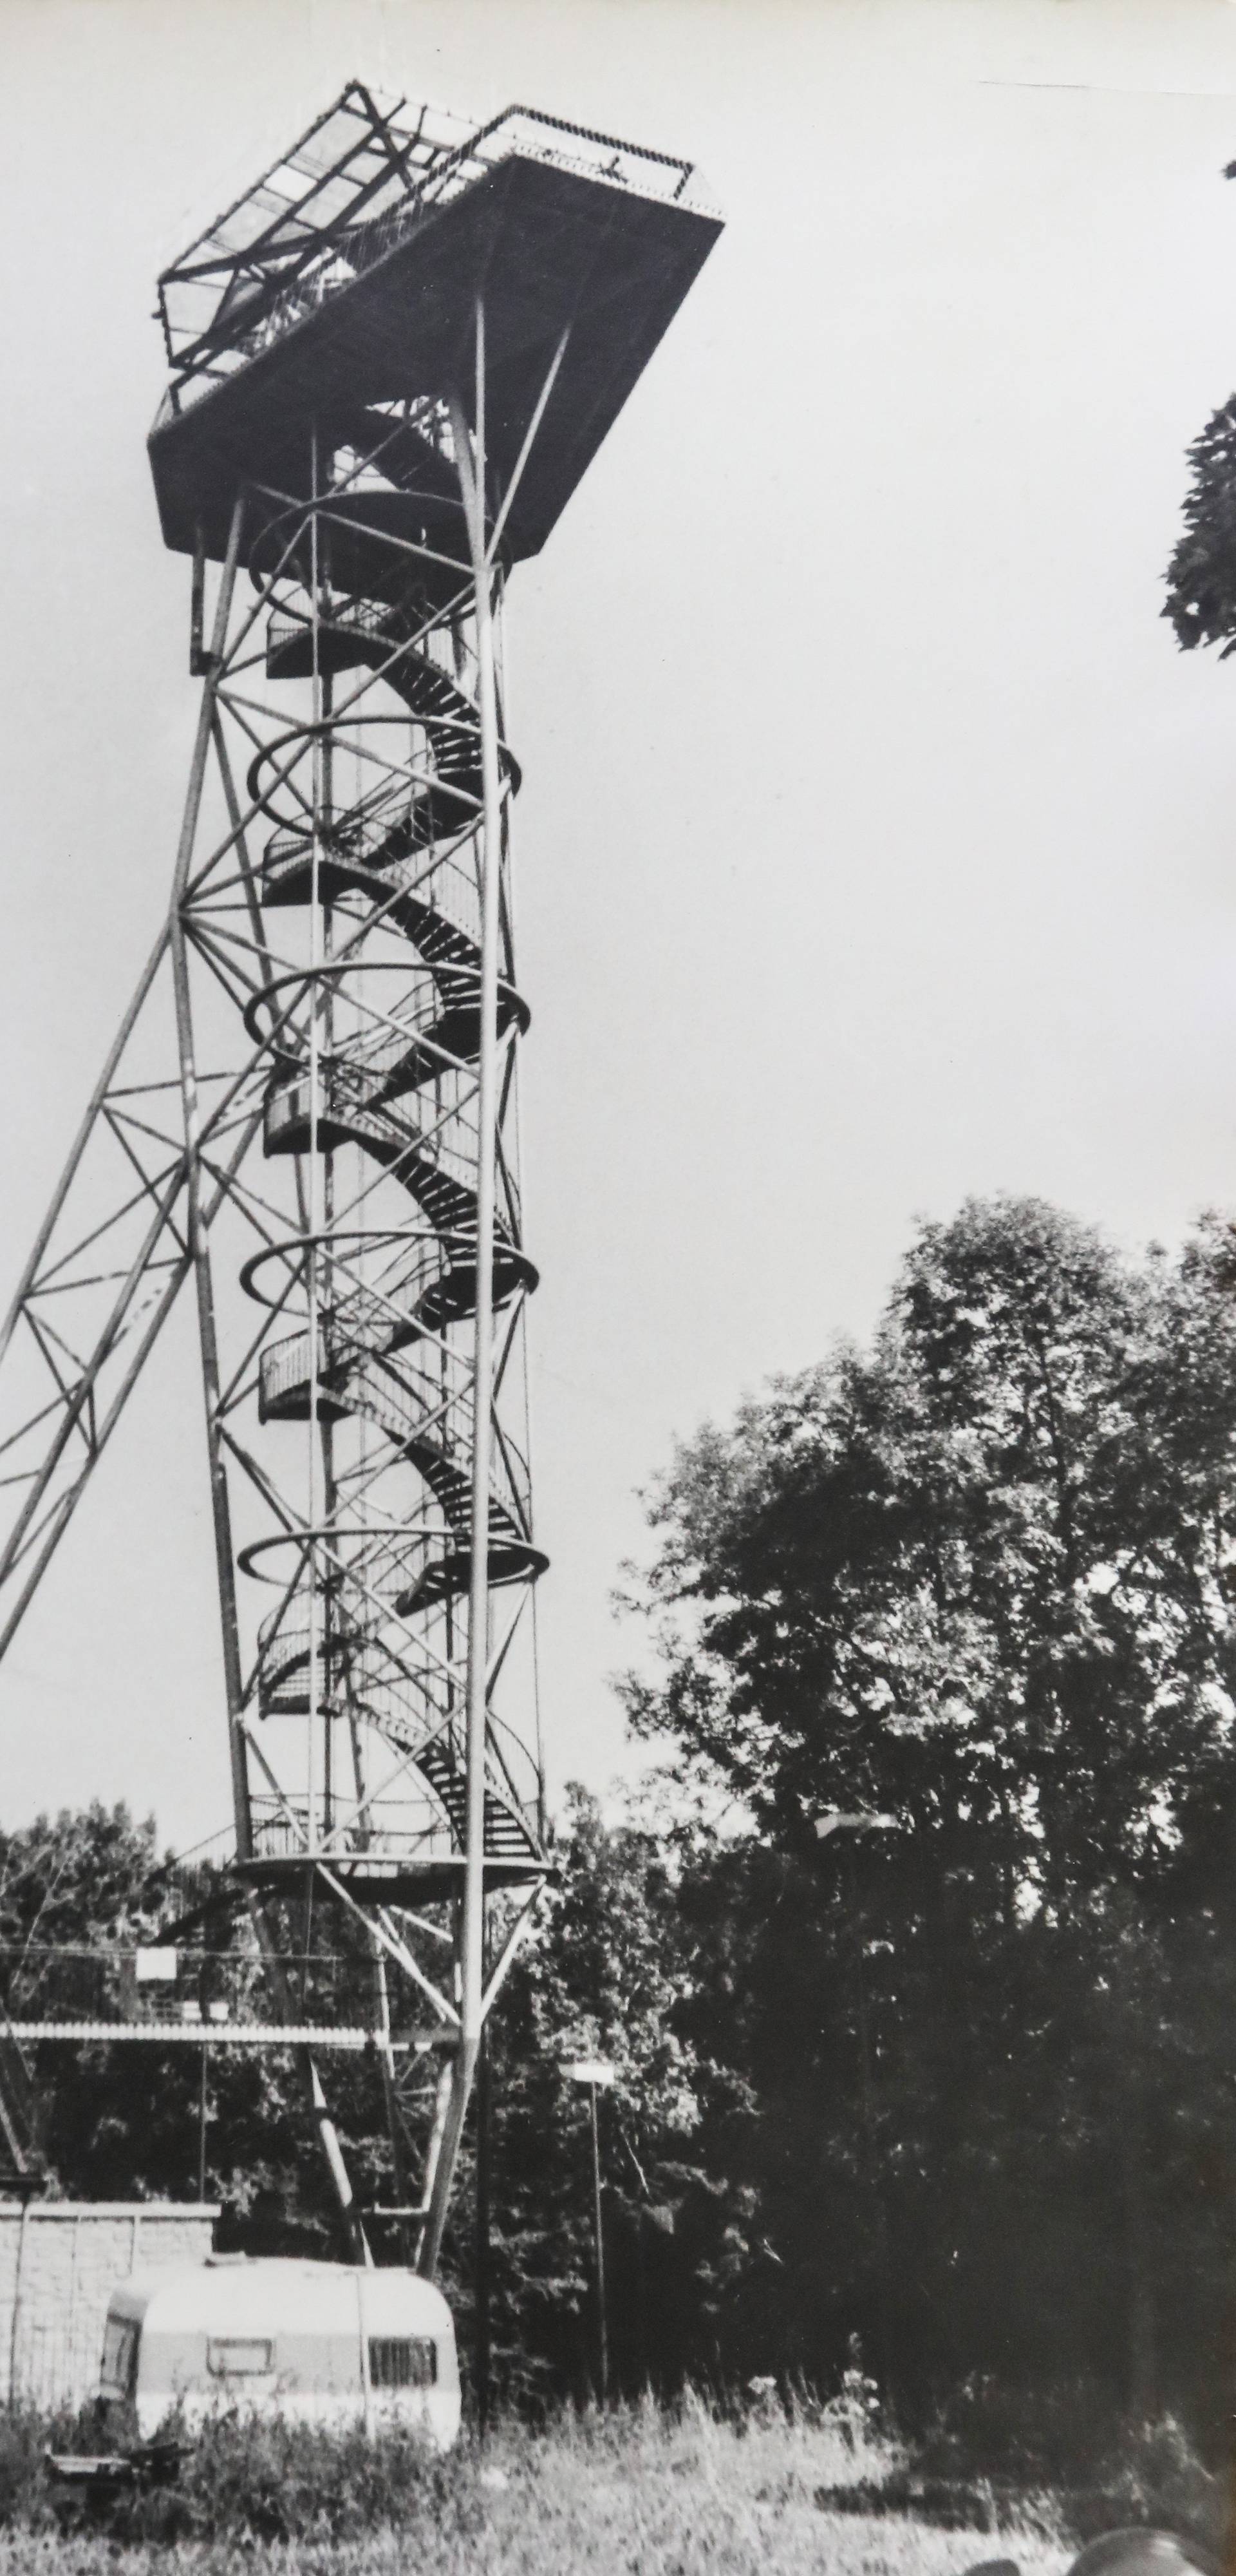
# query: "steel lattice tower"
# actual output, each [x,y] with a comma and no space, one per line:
[391,361]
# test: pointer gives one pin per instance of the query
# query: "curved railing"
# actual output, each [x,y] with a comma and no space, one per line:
[373,1039]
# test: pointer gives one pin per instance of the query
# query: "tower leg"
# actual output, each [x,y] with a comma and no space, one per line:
[470,461]
[198,1246]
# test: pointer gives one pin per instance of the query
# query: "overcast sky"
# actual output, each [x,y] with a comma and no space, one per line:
[876,845]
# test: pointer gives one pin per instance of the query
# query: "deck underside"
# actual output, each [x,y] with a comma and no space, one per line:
[548,249]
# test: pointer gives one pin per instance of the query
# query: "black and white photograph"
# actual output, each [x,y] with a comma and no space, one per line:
[618,1287]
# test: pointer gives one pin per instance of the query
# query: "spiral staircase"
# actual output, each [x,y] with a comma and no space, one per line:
[391,872]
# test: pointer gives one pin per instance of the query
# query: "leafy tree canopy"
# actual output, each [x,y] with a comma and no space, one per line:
[967,2089]
[1201,577]
[979,1574]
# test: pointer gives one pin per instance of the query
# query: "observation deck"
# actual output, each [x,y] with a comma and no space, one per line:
[347,279]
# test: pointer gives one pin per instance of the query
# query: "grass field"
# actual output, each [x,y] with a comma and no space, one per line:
[639,2493]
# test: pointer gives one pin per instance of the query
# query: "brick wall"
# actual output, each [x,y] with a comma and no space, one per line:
[59,2261]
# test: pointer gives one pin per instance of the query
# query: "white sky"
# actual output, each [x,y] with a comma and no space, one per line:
[876,845]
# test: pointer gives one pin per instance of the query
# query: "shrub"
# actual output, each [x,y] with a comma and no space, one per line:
[1104,2469]
[250,2478]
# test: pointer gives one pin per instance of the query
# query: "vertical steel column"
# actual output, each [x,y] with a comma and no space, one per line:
[598,2224]
[471,468]
[220,1506]
[512,883]
[315,1160]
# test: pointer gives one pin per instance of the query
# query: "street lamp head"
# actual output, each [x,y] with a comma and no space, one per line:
[860,1821]
[589,2070]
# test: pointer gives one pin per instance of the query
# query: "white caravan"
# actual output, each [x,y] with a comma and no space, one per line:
[320,2343]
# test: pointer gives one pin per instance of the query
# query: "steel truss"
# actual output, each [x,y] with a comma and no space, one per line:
[340,1145]
[391,362]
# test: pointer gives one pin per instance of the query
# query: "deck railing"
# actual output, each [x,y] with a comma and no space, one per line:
[434,176]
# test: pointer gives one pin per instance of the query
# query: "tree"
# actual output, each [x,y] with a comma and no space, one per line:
[980,1576]
[1201,577]
[966,2089]
[78,1885]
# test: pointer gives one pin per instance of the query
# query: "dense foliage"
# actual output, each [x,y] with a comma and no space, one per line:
[1201,577]
[979,1577]
[963,2089]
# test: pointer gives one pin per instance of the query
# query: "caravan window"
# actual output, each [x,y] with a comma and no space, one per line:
[402,2361]
[239,2356]
[120,2355]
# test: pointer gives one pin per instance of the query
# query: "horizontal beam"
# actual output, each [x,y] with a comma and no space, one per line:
[212,2034]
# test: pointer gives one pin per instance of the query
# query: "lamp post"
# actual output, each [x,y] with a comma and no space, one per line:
[483,2338]
[596,2074]
[864,1820]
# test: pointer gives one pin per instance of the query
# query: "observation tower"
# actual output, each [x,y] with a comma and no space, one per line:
[390,363]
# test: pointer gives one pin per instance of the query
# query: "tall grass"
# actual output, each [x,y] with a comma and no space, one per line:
[643,2490]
